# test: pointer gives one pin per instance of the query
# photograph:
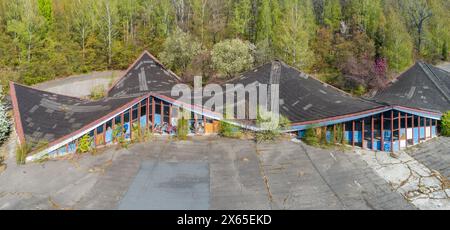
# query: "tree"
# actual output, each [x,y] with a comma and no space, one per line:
[82,23]
[445,130]
[241,19]
[107,17]
[179,49]
[444,51]
[28,28]
[398,47]
[5,124]
[294,36]
[332,14]
[232,56]
[45,9]
[418,13]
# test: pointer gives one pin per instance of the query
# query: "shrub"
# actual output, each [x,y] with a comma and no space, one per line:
[310,137]
[229,130]
[232,56]
[445,121]
[22,152]
[85,144]
[272,128]
[98,92]
[182,128]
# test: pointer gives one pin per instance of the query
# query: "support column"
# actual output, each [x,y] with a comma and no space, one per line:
[399,128]
[162,116]
[362,134]
[353,133]
[147,113]
[195,123]
[153,114]
[372,125]
[95,137]
[343,133]
[170,118]
[435,126]
[419,126]
[122,121]
[139,116]
[104,134]
[382,132]
[204,124]
[412,126]
[431,127]
[392,130]
[406,129]
[131,122]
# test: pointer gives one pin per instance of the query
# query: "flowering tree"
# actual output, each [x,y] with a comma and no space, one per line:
[232,56]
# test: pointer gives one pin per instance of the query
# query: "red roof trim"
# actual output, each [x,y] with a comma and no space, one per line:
[16,112]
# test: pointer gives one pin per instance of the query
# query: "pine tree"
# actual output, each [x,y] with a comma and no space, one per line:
[399,46]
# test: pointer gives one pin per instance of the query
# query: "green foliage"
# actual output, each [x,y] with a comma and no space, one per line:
[97,92]
[445,124]
[182,128]
[179,49]
[5,123]
[22,151]
[359,90]
[445,51]
[398,44]
[85,144]
[271,125]
[227,129]
[232,56]
[46,39]
[310,137]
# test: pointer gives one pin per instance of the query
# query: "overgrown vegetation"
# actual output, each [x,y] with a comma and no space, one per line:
[445,127]
[227,129]
[98,92]
[272,126]
[5,123]
[310,137]
[21,153]
[140,134]
[182,128]
[357,42]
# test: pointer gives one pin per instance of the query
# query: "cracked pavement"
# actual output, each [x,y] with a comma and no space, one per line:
[425,188]
[240,175]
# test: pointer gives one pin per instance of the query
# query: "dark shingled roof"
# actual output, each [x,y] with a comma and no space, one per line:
[302,98]
[47,116]
[423,86]
[147,74]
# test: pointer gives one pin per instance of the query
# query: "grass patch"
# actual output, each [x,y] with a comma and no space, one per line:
[97,93]
[182,128]
[22,152]
[229,130]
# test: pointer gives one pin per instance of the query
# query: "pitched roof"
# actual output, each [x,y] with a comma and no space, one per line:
[423,86]
[46,116]
[302,98]
[147,74]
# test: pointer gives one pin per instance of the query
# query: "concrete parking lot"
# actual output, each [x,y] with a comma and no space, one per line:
[201,173]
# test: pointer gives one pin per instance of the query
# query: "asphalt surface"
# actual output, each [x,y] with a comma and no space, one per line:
[202,173]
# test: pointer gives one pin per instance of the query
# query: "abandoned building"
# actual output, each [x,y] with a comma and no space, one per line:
[405,113]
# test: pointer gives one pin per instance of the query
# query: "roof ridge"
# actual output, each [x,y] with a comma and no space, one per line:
[433,78]
[45,91]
